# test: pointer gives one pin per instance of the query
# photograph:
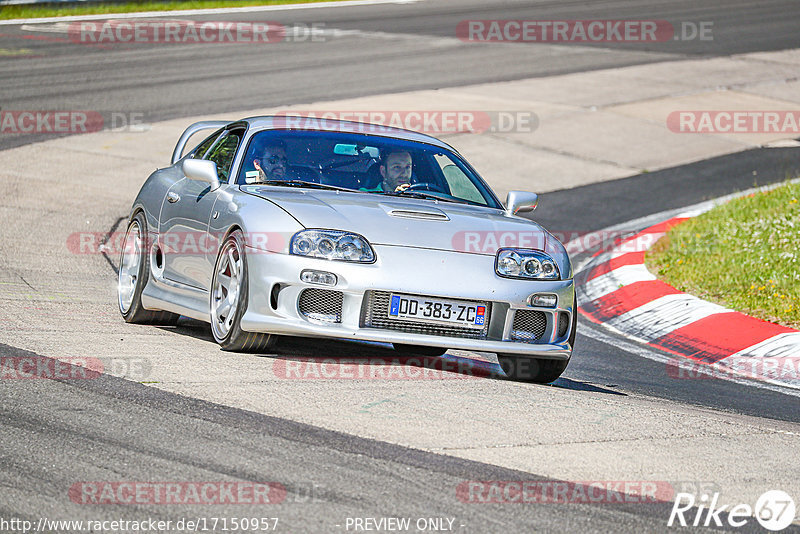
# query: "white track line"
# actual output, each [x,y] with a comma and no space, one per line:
[632,341]
[598,334]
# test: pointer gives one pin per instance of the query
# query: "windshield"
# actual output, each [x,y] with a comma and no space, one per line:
[364,163]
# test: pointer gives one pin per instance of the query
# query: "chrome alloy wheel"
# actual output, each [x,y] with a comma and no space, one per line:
[129,266]
[225,292]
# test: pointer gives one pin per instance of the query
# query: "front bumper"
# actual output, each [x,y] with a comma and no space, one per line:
[275,289]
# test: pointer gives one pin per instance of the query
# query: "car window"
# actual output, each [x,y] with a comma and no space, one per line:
[459,183]
[223,153]
[203,147]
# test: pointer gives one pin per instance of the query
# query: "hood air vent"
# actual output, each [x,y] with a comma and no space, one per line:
[420,214]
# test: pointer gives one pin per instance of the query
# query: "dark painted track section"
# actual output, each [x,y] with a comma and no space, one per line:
[98,430]
[609,366]
[609,203]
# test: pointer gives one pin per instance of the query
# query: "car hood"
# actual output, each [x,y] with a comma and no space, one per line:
[409,222]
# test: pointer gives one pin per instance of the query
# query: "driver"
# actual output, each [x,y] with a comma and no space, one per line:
[273,161]
[395,168]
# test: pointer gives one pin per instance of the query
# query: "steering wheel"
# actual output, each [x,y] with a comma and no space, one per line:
[423,186]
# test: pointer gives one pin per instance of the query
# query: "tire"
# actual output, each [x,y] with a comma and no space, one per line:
[134,272]
[422,350]
[230,278]
[538,370]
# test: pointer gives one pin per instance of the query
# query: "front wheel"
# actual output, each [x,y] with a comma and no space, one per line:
[229,300]
[536,370]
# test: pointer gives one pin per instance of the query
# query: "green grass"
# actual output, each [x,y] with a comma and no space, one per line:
[8,52]
[61,10]
[744,255]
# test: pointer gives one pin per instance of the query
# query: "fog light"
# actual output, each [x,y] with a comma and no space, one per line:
[322,278]
[543,300]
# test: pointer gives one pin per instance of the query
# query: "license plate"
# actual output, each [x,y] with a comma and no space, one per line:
[459,312]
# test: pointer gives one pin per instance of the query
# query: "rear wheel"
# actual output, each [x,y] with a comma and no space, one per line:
[134,272]
[229,288]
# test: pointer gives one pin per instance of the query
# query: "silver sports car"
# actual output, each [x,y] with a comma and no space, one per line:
[271,227]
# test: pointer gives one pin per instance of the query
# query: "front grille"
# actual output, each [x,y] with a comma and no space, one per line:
[375,314]
[529,325]
[563,324]
[323,305]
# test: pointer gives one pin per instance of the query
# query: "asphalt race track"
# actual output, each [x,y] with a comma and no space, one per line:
[165,81]
[357,449]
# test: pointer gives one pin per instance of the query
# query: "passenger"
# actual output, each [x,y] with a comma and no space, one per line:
[273,162]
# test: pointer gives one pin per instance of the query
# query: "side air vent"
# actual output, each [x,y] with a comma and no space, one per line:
[563,324]
[529,326]
[322,305]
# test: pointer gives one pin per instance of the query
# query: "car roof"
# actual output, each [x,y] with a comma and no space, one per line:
[309,123]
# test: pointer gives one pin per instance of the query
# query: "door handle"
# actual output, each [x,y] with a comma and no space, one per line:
[172,198]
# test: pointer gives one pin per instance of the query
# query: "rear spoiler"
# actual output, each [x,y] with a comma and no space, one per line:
[191,130]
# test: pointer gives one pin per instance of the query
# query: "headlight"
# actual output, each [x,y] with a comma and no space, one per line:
[527,264]
[332,245]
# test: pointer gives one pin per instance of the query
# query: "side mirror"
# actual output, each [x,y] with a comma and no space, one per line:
[202,171]
[521,202]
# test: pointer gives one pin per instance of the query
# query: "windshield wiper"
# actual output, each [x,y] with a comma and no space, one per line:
[300,183]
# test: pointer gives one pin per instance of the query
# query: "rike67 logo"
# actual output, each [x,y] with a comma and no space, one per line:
[774,510]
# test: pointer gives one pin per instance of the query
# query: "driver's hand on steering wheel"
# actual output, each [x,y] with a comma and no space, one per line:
[402,187]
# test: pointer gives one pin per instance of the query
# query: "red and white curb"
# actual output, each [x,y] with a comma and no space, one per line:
[617,291]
